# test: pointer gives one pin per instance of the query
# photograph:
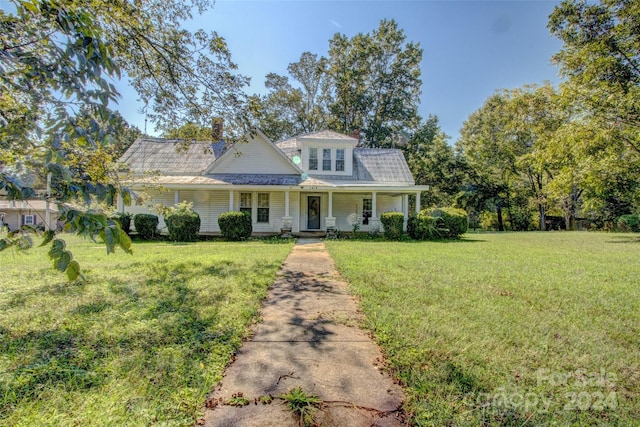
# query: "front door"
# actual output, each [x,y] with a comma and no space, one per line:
[313,213]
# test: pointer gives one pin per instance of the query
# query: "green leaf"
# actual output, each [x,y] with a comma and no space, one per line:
[57,248]
[63,261]
[4,244]
[73,270]
[125,242]
[47,237]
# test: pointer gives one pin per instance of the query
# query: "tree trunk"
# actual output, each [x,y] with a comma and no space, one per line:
[542,217]
[500,224]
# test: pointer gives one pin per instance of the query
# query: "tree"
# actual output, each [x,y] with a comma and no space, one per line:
[57,58]
[292,109]
[433,162]
[601,59]
[376,84]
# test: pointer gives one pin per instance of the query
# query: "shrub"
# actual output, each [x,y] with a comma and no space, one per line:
[629,223]
[451,222]
[146,225]
[422,227]
[124,219]
[392,223]
[235,225]
[182,222]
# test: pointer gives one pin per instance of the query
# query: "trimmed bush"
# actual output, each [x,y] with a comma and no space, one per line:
[235,225]
[146,225]
[392,223]
[629,223]
[422,227]
[124,219]
[450,222]
[182,222]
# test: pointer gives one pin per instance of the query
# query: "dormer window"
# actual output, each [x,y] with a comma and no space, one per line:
[340,160]
[326,159]
[313,159]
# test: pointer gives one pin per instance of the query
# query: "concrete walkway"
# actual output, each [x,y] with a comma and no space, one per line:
[309,337]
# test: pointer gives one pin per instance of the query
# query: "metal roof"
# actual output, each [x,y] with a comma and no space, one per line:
[172,156]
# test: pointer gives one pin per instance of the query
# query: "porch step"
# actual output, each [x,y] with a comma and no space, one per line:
[316,234]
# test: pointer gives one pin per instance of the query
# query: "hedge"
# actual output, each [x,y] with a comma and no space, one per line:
[629,223]
[450,222]
[124,219]
[146,225]
[182,222]
[392,223]
[422,227]
[235,225]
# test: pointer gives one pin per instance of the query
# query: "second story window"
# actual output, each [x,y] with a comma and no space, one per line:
[313,159]
[326,159]
[340,160]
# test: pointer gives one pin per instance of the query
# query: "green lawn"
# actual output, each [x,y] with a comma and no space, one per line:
[140,342]
[506,329]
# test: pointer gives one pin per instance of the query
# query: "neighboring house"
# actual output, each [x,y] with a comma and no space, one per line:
[16,213]
[313,182]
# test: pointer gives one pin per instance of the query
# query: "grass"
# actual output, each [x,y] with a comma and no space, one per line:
[142,341]
[506,329]
[302,404]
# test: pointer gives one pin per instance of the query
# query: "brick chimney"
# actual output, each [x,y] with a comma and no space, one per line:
[216,129]
[356,134]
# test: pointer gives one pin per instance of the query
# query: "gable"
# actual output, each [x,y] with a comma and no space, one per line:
[257,156]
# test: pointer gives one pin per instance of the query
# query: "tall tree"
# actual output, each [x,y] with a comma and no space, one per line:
[376,83]
[296,106]
[600,57]
[433,162]
[57,57]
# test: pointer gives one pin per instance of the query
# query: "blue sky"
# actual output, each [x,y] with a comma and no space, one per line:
[471,48]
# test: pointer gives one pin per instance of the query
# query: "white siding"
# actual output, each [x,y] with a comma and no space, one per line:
[345,204]
[152,199]
[256,156]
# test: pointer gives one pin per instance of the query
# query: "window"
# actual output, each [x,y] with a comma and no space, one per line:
[313,159]
[366,211]
[326,159]
[245,202]
[340,160]
[263,207]
[28,220]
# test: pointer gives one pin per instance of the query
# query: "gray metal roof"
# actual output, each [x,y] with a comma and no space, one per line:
[371,165]
[172,156]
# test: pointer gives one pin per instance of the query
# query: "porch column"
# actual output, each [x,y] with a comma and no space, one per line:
[287,221]
[330,221]
[418,202]
[374,221]
[176,197]
[405,209]
[230,200]
[119,203]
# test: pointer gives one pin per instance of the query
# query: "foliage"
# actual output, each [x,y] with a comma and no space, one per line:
[146,225]
[472,326]
[124,220]
[302,404]
[235,225]
[629,223]
[59,59]
[369,82]
[142,341]
[433,162]
[393,223]
[450,222]
[422,227]
[289,109]
[182,222]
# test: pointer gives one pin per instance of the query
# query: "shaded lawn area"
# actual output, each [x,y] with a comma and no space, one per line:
[141,342]
[506,329]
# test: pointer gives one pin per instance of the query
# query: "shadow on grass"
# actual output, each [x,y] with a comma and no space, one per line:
[624,239]
[162,331]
